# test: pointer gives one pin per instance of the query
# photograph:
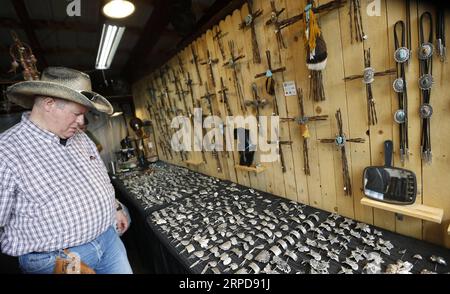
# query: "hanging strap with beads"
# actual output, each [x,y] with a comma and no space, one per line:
[401,56]
[426,50]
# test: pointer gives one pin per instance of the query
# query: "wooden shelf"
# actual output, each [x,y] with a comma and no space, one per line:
[252,168]
[420,211]
[193,162]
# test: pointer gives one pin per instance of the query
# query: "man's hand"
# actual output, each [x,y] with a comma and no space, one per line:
[122,221]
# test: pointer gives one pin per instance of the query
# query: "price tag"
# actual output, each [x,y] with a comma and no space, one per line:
[289,89]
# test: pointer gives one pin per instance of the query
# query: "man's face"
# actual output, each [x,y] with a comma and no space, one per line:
[67,117]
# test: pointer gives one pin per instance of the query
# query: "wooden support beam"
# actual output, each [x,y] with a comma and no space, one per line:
[22,13]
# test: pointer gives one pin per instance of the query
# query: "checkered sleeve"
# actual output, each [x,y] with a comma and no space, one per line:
[7,192]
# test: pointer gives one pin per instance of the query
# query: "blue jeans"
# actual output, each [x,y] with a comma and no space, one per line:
[106,255]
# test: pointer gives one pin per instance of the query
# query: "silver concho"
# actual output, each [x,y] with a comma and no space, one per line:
[402,55]
[400,116]
[399,85]
[426,51]
[426,110]
[340,141]
[248,20]
[369,75]
[425,82]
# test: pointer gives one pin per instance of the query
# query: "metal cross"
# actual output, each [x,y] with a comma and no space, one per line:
[194,60]
[320,9]
[274,20]
[270,84]
[218,35]
[232,64]
[189,83]
[210,61]
[180,64]
[340,141]
[279,149]
[249,21]
[368,77]
[224,99]
[257,102]
[303,121]
[208,96]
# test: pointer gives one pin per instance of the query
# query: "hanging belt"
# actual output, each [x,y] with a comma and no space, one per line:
[402,56]
[425,83]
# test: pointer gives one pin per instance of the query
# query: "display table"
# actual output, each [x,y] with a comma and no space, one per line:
[216,226]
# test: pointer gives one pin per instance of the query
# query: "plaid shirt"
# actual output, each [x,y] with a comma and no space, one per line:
[51,196]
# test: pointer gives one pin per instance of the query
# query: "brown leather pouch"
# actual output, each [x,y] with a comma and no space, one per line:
[71,265]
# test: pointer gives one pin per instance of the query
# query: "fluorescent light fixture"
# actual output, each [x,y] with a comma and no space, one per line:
[111,35]
[118,8]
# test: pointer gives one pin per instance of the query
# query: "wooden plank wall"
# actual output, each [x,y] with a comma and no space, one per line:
[324,187]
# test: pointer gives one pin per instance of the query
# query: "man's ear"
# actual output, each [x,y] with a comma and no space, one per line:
[48,104]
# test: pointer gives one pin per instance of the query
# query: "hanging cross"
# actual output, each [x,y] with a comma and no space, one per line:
[232,64]
[279,149]
[210,61]
[274,20]
[249,21]
[303,121]
[194,60]
[208,96]
[340,142]
[180,64]
[368,77]
[189,83]
[324,8]
[270,83]
[218,35]
[257,102]
[224,99]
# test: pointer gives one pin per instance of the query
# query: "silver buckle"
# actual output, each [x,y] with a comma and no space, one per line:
[426,110]
[426,82]
[400,116]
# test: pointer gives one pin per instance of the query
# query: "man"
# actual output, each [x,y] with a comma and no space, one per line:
[55,194]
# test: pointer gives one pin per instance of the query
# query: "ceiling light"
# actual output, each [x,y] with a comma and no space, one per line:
[118,8]
[111,35]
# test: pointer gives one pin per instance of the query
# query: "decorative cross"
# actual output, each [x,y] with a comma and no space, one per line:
[180,64]
[210,61]
[189,83]
[303,121]
[208,96]
[324,8]
[274,20]
[232,64]
[249,21]
[218,35]
[194,60]
[368,77]
[223,92]
[279,149]
[257,102]
[270,83]
[340,142]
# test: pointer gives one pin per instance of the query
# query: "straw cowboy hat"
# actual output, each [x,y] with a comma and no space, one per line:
[59,82]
